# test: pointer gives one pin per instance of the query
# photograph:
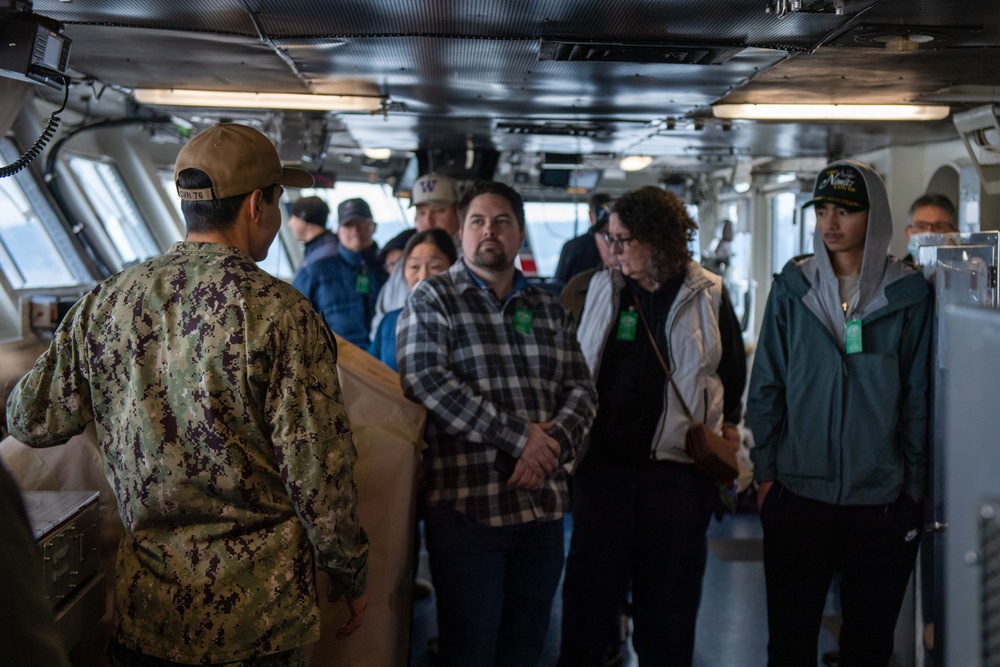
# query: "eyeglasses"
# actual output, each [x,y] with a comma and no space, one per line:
[921,226]
[617,243]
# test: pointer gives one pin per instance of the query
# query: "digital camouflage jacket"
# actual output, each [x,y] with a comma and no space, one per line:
[225,438]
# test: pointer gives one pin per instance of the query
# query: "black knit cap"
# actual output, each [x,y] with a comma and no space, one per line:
[311,209]
[397,242]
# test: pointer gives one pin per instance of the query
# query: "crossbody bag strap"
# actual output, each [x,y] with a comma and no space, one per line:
[656,350]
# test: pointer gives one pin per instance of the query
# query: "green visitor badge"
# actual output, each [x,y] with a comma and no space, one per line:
[852,336]
[628,323]
[522,320]
[364,284]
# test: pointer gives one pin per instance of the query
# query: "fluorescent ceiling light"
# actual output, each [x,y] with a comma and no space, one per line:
[246,100]
[377,153]
[635,162]
[830,112]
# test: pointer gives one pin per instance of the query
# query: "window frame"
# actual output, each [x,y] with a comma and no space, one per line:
[55,228]
[150,241]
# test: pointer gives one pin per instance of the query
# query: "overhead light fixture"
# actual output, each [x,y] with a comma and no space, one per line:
[247,100]
[635,162]
[377,153]
[830,111]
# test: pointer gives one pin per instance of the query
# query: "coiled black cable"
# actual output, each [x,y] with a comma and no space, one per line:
[41,142]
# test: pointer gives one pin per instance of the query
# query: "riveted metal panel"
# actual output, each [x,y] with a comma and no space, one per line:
[189,60]
[219,16]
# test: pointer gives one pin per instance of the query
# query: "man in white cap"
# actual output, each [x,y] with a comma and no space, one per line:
[436,198]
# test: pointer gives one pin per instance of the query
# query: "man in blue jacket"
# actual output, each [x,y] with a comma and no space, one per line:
[838,407]
[344,287]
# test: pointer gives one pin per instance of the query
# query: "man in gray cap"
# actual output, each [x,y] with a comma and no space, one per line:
[435,197]
[344,288]
[221,424]
[308,225]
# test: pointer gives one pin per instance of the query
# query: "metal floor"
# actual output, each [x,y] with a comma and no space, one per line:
[733,604]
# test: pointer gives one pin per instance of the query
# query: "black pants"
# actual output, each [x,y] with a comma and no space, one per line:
[805,542]
[646,524]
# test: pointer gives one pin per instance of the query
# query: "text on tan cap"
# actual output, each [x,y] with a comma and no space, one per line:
[238,159]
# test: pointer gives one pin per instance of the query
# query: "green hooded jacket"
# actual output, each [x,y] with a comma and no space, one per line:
[846,429]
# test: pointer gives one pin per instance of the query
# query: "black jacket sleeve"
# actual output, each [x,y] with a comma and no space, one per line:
[733,365]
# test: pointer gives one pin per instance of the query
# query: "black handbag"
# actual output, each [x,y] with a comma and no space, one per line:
[711,452]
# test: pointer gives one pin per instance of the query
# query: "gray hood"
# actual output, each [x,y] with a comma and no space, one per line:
[877,269]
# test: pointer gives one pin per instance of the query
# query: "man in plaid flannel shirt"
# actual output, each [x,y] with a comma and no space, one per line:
[509,399]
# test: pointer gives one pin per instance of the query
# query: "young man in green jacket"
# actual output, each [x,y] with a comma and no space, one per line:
[838,409]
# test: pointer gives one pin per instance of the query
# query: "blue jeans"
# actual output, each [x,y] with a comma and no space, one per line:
[494,588]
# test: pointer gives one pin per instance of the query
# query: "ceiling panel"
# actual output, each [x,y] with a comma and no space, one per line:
[836,75]
[456,71]
[145,58]
[216,16]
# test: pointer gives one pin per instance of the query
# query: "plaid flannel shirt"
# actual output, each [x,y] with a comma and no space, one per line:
[484,383]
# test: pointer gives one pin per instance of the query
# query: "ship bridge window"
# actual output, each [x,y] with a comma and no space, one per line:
[549,226]
[791,228]
[35,251]
[115,209]
[737,277]
[277,262]
[167,183]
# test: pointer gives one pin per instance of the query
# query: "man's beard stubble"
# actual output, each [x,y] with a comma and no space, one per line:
[492,260]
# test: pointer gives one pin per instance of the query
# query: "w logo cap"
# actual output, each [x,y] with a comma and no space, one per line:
[434,189]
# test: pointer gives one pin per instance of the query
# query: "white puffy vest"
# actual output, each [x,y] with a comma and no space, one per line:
[692,330]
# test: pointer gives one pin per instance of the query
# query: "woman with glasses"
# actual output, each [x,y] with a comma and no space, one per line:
[640,507]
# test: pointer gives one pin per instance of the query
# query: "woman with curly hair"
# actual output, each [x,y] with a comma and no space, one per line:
[640,506]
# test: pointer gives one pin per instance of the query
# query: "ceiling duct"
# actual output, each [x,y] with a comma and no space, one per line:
[556,130]
[562,161]
[623,52]
[478,164]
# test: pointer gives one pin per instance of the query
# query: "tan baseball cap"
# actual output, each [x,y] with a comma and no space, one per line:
[238,159]
[434,189]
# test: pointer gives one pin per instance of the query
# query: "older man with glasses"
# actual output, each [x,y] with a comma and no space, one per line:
[929,214]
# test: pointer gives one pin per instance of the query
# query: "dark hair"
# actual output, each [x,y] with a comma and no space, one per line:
[937,201]
[660,220]
[438,238]
[597,201]
[213,215]
[312,210]
[494,188]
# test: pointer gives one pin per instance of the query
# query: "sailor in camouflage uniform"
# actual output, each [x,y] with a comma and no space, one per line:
[222,426]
